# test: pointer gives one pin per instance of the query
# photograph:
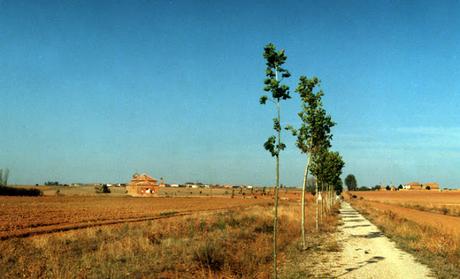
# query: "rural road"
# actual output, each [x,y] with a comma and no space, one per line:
[367,253]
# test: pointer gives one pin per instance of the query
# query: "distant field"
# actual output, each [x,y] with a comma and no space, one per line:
[434,197]
[168,191]
[447,202]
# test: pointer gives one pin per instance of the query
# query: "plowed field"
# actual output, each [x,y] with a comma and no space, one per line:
[23,216]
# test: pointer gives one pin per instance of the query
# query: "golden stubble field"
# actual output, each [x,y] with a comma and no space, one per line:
[421,197]
[433,208]
[446,202]
[425,223]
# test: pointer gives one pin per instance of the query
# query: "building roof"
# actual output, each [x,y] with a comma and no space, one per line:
[414,183]
[142,179]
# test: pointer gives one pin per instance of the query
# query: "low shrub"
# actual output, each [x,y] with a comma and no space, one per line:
[13,191]
[210,254]
[104,189]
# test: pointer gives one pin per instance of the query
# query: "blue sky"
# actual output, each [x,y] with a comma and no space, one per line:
[97,90]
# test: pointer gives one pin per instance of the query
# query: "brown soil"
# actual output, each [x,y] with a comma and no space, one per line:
[24,216]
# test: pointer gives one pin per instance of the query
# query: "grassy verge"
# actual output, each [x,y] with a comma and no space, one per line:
[438,250]
[322,250]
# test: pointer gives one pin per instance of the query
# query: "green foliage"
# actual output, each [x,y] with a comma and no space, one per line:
[263,100]
[327,167]
[339,187]
[351,182]
[315,130]
[270,146]
[313,135]
[272,83]
[274,60]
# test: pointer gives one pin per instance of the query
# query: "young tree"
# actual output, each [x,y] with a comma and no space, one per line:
[339,187]
[351,182]
[314,133]
[275,74]
[4,177]
[327,167]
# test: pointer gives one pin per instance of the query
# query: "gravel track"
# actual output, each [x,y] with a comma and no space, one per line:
[367,253]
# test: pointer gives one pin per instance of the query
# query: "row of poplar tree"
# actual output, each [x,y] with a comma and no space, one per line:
[313,137]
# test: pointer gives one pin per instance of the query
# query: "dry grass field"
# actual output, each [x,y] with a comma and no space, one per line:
[111,236]
[412,220]
[447,202]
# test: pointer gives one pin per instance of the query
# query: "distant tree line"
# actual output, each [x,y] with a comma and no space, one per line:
[5,190]
[54,183]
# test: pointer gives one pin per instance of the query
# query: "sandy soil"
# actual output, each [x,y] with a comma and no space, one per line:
[367,253]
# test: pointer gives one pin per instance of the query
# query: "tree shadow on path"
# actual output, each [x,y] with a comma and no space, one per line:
[362,264]
[369,235]
[355,226]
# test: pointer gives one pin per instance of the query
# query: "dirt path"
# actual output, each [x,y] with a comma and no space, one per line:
[367,253]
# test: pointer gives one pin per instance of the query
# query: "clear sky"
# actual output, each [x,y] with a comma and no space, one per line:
[93,91]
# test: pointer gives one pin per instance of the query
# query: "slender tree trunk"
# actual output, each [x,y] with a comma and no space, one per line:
[317,201]
[275,222]
[304,188]
[331,188]
[330,197]
[322,203]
